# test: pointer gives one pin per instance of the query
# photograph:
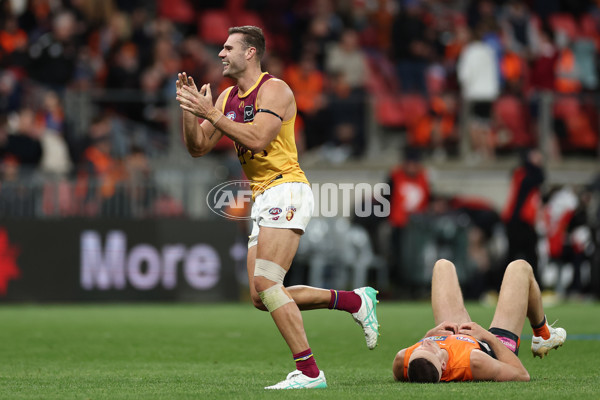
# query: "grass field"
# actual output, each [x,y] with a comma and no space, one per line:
[230,351]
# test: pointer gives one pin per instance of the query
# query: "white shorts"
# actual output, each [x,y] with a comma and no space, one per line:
[288,205]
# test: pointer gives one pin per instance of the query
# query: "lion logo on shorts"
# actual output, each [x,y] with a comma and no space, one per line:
[290,213]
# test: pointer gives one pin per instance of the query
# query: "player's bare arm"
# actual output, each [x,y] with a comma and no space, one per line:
[506,366]
[398,366]
[199,139]
[486,368]
[274,96]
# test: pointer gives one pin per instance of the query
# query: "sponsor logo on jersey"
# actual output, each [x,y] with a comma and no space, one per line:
[249,113]
[465,339]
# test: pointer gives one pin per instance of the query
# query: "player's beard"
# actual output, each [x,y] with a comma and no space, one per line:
[233,71]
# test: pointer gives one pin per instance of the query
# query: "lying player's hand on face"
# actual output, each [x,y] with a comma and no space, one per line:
[445,328]
[449,328]
[472,329]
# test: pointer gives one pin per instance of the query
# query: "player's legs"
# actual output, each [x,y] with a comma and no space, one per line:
[446,297]
[279,246]
[306,297]
[519,297]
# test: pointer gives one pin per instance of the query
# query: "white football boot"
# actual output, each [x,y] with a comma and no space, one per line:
[297,380]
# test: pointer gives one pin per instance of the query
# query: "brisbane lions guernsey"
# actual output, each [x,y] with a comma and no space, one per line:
[278,162]
[459,347]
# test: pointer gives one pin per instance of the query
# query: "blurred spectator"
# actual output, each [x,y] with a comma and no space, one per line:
[55,153]
[585,52]
[195,58]
[138,178]
[568,234]
[348,59]
[409,194]
[13,43]
[481,12]
[544,57]
[348,63]
[98,173]
[381,20]
[308,85]
[411,47]
[10,92]
[153,104]
[517,27]
[23,142]
[95,12]
[53,55]
[124,71]
[478,76]
[436,130]
[15,195]
[323,27]
[566,67]
[522,209]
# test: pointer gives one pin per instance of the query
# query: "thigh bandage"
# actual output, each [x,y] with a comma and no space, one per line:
[274,297]
[270,270]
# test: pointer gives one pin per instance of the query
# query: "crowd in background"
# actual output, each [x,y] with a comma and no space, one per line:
[415,61]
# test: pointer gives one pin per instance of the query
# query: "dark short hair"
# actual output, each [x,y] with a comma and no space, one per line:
[422,371]
[253,37]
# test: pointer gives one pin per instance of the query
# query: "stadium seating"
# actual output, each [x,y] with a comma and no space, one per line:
[511,117]
[564,22]
[213,26]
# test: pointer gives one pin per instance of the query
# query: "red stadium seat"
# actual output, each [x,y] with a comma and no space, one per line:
[243,17]
[415,107]
[389,113]
[564,22]
[179,11]
[404,111]
[581,133]
[213,26]
[511,114]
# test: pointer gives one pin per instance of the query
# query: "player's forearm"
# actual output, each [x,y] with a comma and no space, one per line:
[504,354]
[193,136]
[248,135]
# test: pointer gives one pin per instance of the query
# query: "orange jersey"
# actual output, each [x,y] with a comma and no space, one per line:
[278,162]
[459,347]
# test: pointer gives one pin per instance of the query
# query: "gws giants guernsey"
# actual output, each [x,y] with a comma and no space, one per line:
[278,162]
[459,348]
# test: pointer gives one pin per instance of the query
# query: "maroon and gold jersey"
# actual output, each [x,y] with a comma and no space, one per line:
[278,162]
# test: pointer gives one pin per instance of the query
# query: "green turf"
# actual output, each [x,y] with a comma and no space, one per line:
[231,351]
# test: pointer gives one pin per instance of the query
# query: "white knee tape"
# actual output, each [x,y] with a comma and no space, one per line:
[270,270]
[274,297]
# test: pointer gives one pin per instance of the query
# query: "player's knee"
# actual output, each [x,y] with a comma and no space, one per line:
[266,273]
[268,282]
[257,302]
[442,265]
[519,266]
[274,297]
[262,283]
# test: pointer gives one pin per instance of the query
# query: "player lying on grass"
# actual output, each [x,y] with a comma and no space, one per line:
[458,349]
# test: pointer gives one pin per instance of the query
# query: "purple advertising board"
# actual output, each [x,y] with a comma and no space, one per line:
[121,260]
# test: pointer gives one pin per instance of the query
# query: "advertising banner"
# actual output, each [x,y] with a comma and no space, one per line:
[121,260]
